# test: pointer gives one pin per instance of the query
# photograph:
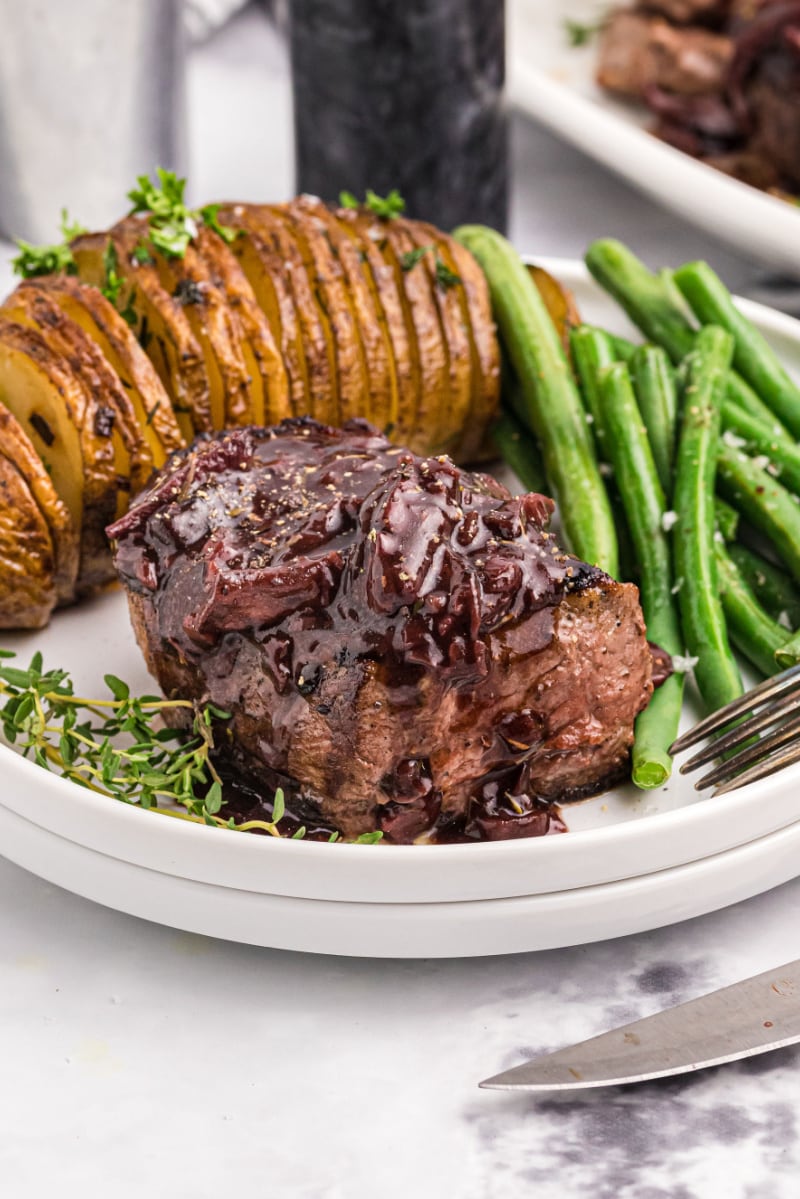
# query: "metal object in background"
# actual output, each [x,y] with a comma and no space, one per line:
[753,1016]
[406,95]
[91,94]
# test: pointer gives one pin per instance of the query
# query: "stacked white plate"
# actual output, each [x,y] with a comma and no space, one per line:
[631,860]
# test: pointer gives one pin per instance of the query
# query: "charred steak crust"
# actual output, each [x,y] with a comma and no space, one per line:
[403,638]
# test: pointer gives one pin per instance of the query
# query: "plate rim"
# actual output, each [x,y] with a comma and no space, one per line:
[514,924]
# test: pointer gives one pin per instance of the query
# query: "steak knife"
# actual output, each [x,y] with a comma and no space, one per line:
[753,1016]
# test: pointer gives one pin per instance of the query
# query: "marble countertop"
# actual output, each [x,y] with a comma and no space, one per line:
[139,1059]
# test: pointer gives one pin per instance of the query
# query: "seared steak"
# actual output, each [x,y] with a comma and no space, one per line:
[639,52]
[401,637]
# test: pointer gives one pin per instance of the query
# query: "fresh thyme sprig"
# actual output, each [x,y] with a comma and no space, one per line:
[386,207]
[46,260]
[118,747]
[172,224]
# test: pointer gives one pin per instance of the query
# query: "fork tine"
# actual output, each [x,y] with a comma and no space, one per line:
[778,685]
[769,766]
[742,732]
[784,735]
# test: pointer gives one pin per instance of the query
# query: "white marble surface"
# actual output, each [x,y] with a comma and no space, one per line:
[139,1060]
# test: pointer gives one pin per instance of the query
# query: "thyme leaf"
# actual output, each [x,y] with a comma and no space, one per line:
[580,33]
[386,207]
[33,261]
[172,224]
[444,276]
[411,257]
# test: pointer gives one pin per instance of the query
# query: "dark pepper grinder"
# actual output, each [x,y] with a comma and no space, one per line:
[404,94]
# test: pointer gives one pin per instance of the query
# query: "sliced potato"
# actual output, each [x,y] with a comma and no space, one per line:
[380,402]
[17,448]
[321,396]
[188,281]
[370,237]
[486,348]
[448,423]
[434,367]
[99,319]
[133,460]
[315,318]
[161,324]
[64,423]
[266,272]
[335,297]
[27,577]
[559,302]
[259,345]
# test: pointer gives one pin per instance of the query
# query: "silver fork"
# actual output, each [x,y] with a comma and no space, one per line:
[752,748]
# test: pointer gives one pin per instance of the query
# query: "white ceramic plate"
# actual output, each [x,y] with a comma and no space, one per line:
[407,930]
[554,83]
[624,834]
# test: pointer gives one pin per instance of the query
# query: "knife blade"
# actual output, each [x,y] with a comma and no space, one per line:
[750,1017]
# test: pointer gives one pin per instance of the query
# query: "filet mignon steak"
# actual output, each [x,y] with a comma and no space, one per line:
[402,638]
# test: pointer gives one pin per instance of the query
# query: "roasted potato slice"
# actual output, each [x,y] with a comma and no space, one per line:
[321,396]
[315,318]
[559,302]
[486,348]
[70,434]
[99,319]
[188,281]
[16,446]
[380,403]
[370,237]
[447,424]
[262,355]
[335,297]
[266,272]
[425,325]
[133,460]
[161,324]
[27,577]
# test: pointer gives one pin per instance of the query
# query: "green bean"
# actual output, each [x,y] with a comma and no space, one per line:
[763,501]
[761,439]
[771,586]
[650,304]
[726,519]
[742,395]
[511,393]
[551,397]
[520,451]
[643,499]
[623,349]
[751,629]
[592,349]
[702,617]
[753,356]
[657,397]
[788,654]
[643,295]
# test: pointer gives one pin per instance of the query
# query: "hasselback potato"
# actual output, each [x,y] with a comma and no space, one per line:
[162,329]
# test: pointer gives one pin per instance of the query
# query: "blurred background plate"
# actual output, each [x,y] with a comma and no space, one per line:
[554,82]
